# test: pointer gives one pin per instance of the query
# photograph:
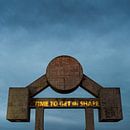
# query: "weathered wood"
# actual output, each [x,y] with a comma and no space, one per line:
[89,119]
[39,119]
[37,86]
[18,105]
[64,102]
[64,74]
[111,109]
[91,86]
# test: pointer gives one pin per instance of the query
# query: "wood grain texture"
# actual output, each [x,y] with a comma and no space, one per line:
[89,115]
[37,86]
[111,108]
[18,105]
[39,119]
[91,86]
[64,74]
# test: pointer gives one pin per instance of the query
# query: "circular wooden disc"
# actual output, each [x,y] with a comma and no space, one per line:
[64,74]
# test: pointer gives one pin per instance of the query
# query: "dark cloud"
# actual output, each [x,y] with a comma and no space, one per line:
[34,14]
[32,32]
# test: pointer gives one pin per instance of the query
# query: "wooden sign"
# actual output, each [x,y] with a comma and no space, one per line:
[64,102]
[64,74]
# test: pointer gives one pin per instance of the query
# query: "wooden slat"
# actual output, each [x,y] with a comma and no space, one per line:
[91,86]
[37,86]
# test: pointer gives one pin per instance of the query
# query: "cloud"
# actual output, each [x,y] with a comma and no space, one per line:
[60,120]
[95,32]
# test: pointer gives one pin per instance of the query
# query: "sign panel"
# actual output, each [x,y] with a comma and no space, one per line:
[64,102]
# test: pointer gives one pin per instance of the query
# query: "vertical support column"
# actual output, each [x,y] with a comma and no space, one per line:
[39,119]
[89,119]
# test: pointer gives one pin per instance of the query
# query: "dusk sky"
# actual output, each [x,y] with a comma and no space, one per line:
[95,32]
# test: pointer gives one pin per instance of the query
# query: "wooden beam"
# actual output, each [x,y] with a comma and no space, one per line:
[18,105]
[64,102]
[89,118]
[37,86]
[111,106]
[91,86]
[39,119]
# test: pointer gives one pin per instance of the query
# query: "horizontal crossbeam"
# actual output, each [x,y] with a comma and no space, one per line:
[65,102]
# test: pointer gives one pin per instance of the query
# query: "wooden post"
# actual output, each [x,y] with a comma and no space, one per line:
[39,119]
[89,118]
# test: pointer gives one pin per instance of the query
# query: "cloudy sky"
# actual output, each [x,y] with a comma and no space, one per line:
[96,32]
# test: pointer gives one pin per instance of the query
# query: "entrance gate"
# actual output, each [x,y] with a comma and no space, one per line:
[64,74]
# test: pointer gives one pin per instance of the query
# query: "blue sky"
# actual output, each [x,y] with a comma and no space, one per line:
[96,32]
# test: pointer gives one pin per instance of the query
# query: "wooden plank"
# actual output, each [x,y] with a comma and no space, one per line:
[91,86]
[111,108]
[37,86]
[64,102]
[18,105]
[89,118]
[39,119]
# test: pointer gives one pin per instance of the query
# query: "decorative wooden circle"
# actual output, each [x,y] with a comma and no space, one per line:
[64,74]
